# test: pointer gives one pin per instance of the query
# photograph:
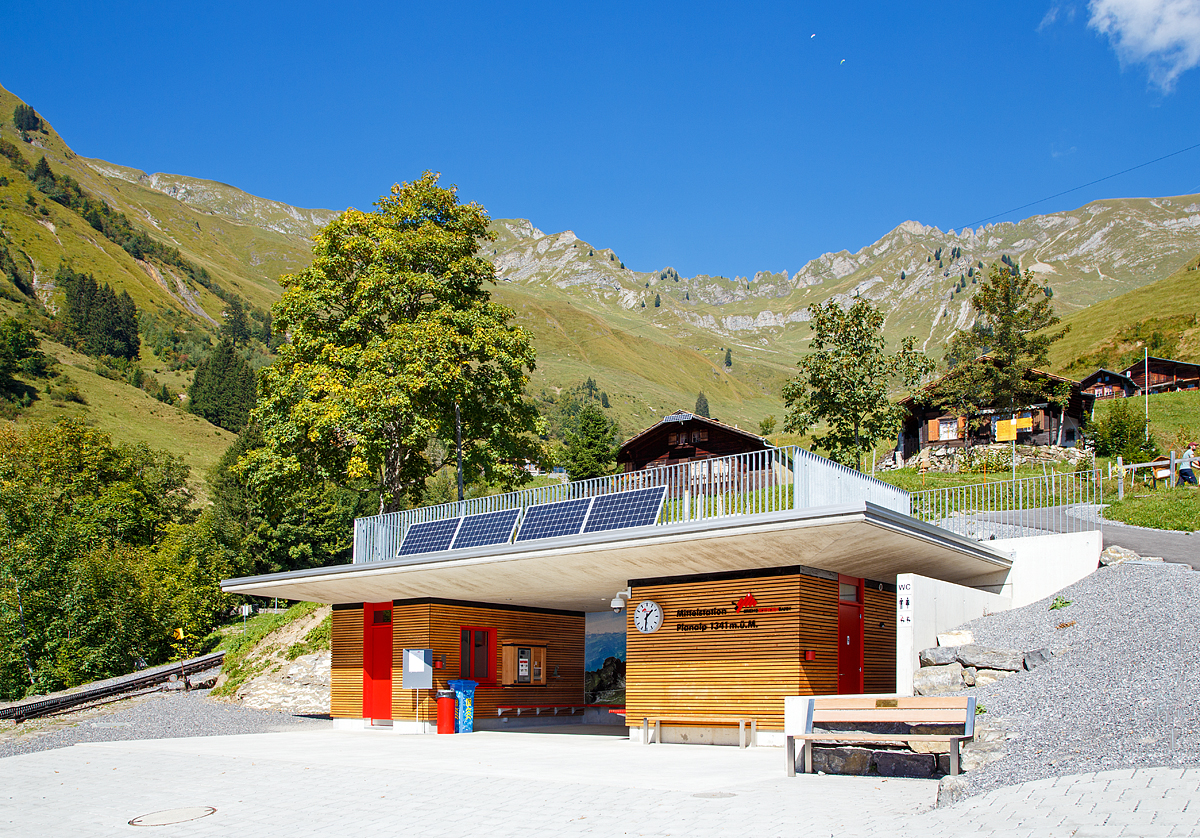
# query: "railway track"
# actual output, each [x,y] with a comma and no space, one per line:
[48,705]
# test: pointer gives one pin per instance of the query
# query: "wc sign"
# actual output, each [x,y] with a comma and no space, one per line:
[904,603]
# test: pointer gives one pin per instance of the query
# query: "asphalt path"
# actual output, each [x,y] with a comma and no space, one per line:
[1172,545]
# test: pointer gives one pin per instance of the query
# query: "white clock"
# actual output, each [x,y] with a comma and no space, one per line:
[648,617]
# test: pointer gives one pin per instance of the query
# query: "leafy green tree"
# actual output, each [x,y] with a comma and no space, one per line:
[844,383]
[702,405]
[222,389]
[395,342]
[591,450]
[990,363]
[1122,433]
[767,426]
[18,345]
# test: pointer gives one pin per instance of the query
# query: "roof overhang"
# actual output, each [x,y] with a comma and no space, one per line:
[582,573]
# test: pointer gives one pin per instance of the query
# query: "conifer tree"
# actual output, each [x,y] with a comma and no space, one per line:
[702,405]
[728,358]
[223,388]
[591,450]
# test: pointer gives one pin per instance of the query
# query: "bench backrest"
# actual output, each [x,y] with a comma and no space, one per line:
[802,712]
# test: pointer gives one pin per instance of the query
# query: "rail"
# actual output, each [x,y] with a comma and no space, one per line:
[1052,503]
[1170,464]
[741,484]
[35,708]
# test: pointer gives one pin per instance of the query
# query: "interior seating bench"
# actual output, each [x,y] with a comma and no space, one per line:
[804,713]
[700,720]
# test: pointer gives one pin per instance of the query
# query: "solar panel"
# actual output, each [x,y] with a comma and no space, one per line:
[638,508]
[551,519]
[429,537]
[488,528]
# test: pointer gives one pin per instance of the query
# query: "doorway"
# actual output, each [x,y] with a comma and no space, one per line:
[850,635]
[377,661]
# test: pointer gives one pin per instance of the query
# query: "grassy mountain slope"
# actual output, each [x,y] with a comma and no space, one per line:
[1109,333]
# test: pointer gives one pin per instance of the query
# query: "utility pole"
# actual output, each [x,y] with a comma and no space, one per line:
[1146,390]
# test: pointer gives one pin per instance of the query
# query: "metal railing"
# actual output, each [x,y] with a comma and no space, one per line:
[1052,503]
[743,484]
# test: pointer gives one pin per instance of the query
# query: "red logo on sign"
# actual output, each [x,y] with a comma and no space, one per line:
[748,601]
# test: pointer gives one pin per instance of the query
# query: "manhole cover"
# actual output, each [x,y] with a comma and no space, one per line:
[167,816]
[715,794]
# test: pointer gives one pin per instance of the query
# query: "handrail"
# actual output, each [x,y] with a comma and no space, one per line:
[755,482]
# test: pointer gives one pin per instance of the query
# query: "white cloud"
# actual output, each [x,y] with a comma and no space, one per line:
[1162,34]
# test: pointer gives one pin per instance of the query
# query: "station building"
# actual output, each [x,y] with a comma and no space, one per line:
[745,576]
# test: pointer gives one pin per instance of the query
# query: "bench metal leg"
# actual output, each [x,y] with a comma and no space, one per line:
[754,733]
[645,731]
[791,757]
[954,759]
[741,733]
[658,731]
[807,756]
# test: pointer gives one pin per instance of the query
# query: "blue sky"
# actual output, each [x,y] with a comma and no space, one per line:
[716,138]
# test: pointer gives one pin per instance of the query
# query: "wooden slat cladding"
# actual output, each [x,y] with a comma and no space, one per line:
[346,664]
[410,630]
[879,641]
[738,671]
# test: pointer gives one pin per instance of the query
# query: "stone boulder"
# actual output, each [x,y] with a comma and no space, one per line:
[905,764]
[985,677]
[931,680]
[982,657]
[1036,658]
[956,638]
[969,676]
[938,656]
[1116,555]
[842,760]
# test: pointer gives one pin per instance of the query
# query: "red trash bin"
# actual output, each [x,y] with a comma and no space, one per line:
[445,711]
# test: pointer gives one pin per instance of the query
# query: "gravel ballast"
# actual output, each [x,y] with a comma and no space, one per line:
[1119,690]
[157,715]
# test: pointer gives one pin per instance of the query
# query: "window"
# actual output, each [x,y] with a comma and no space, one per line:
[477,651]
[948,428]
[848,592]
[382,617]
[699,436]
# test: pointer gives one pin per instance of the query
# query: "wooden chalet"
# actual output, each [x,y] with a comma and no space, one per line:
[685,437]
[1163,375]
[926,425]
[1106,384]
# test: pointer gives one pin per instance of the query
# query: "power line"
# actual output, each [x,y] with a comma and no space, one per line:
[1084,186]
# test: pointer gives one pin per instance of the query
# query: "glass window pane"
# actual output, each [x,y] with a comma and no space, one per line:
[383,617]
[481,655]
[464,655]
[848,593]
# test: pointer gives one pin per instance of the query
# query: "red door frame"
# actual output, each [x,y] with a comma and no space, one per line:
[850,638]
[377,661]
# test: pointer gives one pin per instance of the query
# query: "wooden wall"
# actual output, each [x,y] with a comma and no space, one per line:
[346,662]
[879,640]
[743,671]
[433,624]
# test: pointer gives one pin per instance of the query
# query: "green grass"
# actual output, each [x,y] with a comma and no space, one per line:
[317,640]
[911,480]
[1164,509]
[238,644]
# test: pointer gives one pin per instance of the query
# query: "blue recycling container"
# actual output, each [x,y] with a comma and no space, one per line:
[465,692]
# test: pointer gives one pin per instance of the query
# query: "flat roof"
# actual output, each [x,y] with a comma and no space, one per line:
[583,572]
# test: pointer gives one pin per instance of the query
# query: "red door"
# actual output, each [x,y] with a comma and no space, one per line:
[850,635]
[377,660]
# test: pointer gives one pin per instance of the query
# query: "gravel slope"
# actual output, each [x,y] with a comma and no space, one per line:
[158,715]
[1122,676]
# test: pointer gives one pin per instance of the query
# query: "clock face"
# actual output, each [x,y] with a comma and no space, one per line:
[648,617]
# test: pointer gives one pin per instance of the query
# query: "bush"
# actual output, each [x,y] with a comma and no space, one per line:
[1122,433]
[986,460]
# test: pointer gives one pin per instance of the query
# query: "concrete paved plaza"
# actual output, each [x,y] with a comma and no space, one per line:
[326,782]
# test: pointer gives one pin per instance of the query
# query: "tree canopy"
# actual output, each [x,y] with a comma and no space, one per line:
[990,362]
[844,382]
[591,449]
[222,389]
[391,327]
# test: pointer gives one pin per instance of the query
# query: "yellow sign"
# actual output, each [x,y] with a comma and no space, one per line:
[1025,422]
[1006,430]
[177,634]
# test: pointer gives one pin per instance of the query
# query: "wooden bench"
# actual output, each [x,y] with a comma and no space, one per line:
[803,713]
[700,720]
[537,709]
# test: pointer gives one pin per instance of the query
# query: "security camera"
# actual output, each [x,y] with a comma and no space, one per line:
[617,605]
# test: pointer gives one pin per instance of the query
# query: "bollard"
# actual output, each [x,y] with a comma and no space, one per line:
[1120,478]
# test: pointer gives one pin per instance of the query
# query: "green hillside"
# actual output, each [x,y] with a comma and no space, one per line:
[1163,316]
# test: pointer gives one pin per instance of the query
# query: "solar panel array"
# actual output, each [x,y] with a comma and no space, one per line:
[486,529]
[554,519]
[429,537]
[638,508]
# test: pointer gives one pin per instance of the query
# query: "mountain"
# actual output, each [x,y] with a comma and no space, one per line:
[590,314]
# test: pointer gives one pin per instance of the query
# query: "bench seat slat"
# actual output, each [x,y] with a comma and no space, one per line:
[850,736]
[935,716]
[920,702]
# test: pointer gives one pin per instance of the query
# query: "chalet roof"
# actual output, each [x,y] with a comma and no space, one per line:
[910,401]
[685,416]
[1094,377]
[1165,361]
